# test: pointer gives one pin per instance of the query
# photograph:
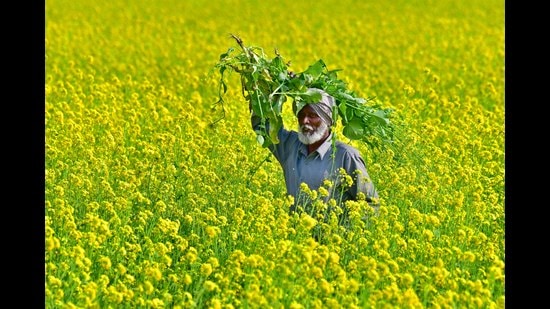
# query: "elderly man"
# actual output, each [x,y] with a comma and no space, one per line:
[306,155]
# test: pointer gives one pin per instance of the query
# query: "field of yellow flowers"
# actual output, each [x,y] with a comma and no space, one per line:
[151,202]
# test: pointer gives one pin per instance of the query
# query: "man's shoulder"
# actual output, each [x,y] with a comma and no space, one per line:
[288,138]
[346,148]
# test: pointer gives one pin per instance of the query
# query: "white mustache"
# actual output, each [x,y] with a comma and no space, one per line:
[306,126]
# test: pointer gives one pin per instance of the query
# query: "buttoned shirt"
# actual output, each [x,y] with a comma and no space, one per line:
[312,169]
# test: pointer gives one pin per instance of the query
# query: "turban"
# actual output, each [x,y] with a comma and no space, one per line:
[323,108]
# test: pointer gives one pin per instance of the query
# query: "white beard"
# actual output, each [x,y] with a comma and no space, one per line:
[312,136]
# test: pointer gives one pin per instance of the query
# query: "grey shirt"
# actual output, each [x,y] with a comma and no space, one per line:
[319,165]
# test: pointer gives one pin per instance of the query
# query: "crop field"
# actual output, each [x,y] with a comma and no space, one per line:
[157,196]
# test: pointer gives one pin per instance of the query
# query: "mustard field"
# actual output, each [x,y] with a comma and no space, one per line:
[157,197]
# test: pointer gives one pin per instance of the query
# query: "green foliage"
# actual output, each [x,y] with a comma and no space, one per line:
[267,84]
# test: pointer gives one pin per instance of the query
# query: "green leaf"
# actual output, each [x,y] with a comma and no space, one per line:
[274,125]
[256,104]
[316,69]
[226,54]
[380,117]
[278,63]
[354,129]
[298,105]
[350,113]
[278,106]
[311,96]
[342,112]
[297,83]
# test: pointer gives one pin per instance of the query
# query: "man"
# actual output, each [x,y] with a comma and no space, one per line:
[305,155]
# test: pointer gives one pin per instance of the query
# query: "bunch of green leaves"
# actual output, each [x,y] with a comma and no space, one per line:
[267,84]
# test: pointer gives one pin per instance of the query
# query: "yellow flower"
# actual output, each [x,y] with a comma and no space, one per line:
[289,200]
[149,288]
[206,269]
[254,260]
[332,303]
[352,286]
[167,260]
[428,234]
[105,262]
[327,183]
[317,272]
[336,239]
[295,305]
[348,181]
[323,192]
[311,284]
[307,222]
[188,219]
[215,303]
[214,262]
[326,287]
[155,303]
[313,194]
[411,300]
[113,295]
[52,243]
[191,255]
[121,269]
[469,256]
[187,280]
[407,279]
[334,258]
[211,286]
[53,281]
[212,231]
[496,272]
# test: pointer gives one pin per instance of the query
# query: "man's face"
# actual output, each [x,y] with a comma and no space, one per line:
[311,127]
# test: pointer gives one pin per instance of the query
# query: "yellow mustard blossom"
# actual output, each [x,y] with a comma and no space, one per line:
[105,262]
[212,231]
[213,261]
[211,286]
[154,273]
[155,303]
[295,305]
[469,256]
[428,234]
[307,222]
[326,287]
[206,269]
[191,254]
[187,279]
[323,192]
[215,303]
[148,287]
[113,295]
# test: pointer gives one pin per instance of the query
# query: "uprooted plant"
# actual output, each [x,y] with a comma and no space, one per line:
[267,84]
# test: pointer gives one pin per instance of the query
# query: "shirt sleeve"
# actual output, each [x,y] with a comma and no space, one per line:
[279,150]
